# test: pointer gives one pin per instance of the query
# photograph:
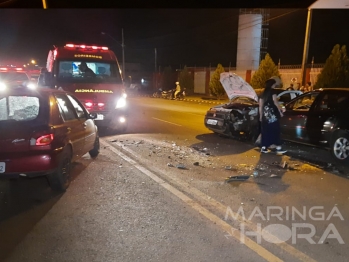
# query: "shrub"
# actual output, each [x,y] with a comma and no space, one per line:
[215,85]
[266,70]
[335,71]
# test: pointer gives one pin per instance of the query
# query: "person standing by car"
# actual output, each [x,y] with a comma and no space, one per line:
[290,87]
[270,113]
[309,87]
[298,87]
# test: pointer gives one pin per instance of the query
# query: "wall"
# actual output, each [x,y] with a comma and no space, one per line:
[199,82]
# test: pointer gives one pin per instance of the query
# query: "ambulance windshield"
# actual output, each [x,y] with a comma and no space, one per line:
[88,72]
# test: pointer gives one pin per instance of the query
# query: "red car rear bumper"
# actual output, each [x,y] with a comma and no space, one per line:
[29,164]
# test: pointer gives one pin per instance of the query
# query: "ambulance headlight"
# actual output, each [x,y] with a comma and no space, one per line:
[121,102]
[2,86]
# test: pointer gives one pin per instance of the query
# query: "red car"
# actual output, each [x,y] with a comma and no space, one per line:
[41,132]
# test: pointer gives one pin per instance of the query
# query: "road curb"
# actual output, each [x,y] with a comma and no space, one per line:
[188,100]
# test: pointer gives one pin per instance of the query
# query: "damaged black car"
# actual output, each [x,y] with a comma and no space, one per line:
[239,117]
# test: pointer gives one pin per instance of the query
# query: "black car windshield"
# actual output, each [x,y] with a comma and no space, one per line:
[93,72]
[19,108]
[13,76]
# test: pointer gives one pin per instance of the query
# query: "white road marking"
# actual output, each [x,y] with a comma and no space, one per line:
[166,121]
[196,206]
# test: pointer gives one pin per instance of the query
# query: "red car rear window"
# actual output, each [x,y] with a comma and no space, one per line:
[19,108]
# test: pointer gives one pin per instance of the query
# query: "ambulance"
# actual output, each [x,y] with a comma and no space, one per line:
[101,89]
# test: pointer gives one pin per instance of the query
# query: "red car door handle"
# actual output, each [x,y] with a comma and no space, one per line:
[68,129]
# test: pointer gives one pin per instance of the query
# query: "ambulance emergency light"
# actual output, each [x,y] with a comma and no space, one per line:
[87,47]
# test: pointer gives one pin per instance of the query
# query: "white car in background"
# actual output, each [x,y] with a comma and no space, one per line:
[283,95]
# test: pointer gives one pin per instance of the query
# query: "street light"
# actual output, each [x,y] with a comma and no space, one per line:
[123,49]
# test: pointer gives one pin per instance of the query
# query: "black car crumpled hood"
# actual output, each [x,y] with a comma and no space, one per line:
[240,107]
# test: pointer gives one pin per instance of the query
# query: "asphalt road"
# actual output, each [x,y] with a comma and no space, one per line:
[159,193]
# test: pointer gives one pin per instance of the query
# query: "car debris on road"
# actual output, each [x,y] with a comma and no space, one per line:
[236,178]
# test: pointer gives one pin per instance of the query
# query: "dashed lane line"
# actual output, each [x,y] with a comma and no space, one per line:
[166,121]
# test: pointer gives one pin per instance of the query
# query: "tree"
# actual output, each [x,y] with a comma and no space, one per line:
[167,79]
[215,85]
[186,80]
[335,72]
[266,70]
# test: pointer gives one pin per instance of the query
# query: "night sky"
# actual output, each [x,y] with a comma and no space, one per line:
[192,37]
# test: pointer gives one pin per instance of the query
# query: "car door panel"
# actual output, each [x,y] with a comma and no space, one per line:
[326,108]
[89,125]
[293,125]
[295,121]
[75,129]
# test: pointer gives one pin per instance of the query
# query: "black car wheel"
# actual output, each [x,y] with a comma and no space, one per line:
[95,151]
[59,180]
[340,146]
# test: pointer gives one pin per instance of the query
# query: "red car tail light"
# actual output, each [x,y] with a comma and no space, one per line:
[88,104]
[100,104]
[44,140]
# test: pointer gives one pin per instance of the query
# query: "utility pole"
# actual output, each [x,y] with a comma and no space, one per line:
[123,54]
[306,47]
